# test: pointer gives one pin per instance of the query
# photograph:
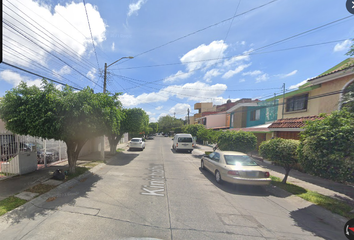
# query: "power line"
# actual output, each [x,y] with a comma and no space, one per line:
[35,74]
[93,43]
[205,28]
[65,48]
[48,51]
[231,90]
[229,57]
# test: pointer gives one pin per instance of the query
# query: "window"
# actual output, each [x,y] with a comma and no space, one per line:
[185,139]
[216,157]
[297,103]
[255,115]
[239,160]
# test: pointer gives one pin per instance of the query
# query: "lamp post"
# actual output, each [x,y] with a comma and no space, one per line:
[104,91]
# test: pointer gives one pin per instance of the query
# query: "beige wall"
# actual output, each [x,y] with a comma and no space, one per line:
[325,104]
[240,117]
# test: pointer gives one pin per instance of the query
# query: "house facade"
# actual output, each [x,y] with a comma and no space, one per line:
[322,94]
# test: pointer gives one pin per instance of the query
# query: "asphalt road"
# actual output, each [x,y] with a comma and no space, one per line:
[160,194]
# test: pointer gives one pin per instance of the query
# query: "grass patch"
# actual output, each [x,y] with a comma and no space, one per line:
[40,188]
[78,172]
[92,164]
[331,204]
[120,150]
[10,203]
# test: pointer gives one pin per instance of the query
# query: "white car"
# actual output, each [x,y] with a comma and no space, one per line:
[183,142]
[137,143]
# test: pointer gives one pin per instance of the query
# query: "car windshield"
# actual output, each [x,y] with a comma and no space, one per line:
[136,140]
[239,160]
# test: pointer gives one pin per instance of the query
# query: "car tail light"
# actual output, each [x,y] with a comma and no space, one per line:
[233,173]
[266,174]
[176,144]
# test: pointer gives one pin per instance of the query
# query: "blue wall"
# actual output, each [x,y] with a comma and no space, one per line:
[268,113]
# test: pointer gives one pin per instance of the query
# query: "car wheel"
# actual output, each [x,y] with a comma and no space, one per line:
[202,165]
[218,177]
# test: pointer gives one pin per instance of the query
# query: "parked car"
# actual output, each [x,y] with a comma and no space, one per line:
[149,137]
[137,143]
[166,135]
[235,167]
[183,142]
[51,155]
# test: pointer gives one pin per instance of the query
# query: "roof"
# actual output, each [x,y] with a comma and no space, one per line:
[251,129]
[297,122]
[344,65]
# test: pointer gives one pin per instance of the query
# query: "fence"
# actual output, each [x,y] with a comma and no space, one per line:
[24,154]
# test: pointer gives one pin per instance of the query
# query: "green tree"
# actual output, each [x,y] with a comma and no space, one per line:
[327,146]
[193,129]
[237,141]
[71,116]
[168,123]
[282,152]
[154,126]
[132,121]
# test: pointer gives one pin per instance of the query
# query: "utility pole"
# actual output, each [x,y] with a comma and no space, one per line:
[104,91]
[188,116]
[282,115]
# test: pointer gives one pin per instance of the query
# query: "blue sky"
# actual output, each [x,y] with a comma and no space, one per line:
[184,51]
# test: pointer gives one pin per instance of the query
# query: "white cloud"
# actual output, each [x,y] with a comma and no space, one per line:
[194,59]
[190,91]
[63,71]
[238,69]
[287,75]
[91,73]
[152,119]
[262,78]
[253,73]
[297,85]
[210,74]
[67,38]
[15,79]
[228,63]
[113,46]
[342,46]
[179,75]
[242,80]
[161,115]
[180,109]
[221,100]
[159,108]
[135,7]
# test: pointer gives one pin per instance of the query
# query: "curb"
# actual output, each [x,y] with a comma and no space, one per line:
[55,191]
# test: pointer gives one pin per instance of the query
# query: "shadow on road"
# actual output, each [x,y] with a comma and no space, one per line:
[258,191]
[309,220]
[180,152]
[59,199]
[122,159]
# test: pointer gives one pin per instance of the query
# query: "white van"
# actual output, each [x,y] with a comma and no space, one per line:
[183,141]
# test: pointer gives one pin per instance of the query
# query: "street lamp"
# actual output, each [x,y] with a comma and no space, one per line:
[104,91]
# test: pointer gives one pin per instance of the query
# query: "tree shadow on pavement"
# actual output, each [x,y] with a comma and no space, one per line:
[319,221]
[257,191]
[325,183]
[60,198]
[121,159]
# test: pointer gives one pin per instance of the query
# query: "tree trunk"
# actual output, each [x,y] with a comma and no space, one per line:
[73,149]
[287,171]
[113,142]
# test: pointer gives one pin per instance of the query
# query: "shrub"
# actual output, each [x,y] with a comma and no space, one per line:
[281,151]
[327,147]
[237,141]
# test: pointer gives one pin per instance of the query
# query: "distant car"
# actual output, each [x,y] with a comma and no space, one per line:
[137,143]
[235,167]
[183,142]
[166,135]
[150,137]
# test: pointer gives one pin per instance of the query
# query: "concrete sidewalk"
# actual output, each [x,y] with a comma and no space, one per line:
[17,184]
[326,187]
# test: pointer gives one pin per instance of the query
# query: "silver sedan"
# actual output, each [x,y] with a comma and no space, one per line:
[235,167]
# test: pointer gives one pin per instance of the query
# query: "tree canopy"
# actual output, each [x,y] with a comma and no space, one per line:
[71,116]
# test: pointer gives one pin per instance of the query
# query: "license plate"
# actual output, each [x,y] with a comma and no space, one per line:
[252,174]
